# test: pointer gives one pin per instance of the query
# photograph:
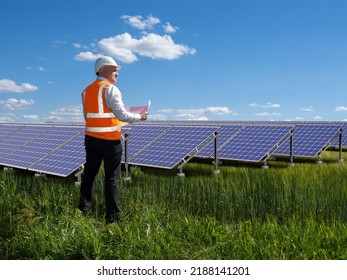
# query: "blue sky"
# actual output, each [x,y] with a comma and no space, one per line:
[195,60]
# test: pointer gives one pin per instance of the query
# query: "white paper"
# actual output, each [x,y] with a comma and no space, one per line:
[138,109]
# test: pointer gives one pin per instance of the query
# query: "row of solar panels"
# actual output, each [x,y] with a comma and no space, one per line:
[236,141]
[58,148]
[42,148]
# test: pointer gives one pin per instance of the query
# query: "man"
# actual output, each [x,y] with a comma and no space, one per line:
[104,112]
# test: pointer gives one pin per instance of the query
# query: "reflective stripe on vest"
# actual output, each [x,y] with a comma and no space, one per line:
[100,116]
[100,121]
[103,129]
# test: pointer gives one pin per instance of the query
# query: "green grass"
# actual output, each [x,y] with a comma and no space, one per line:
[245,212]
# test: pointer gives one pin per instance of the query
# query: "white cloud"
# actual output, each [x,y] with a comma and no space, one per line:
[264,114]
[80,46]
[87,56]
[165,111]
[187,116]
[267,114]
[295,119]
[307,109]
[5,119]
[40,68]
[71,113]
[218,110]
[7,85]
[58,43]
[191,117]
[16,104]
[317,117]
[211,110]
[341,108]
[168,28]
[161,47]
[195,114]
[157,117]
[126,48]
[120,46]
[266,105]
[139,22]
[8,117]
[31,117]
[199,119]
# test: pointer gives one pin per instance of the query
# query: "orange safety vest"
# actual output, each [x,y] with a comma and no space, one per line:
[100,121]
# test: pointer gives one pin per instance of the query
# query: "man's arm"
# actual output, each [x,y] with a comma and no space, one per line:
[114,101]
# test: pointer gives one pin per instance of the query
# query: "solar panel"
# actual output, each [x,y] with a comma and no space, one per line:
[21,137]
[58,148]
[310,140]
[140,136]
[6,130]
[44,143]
[173,146]
[125,129]
[68,157]
[254,143]
[64,159]
[225,133]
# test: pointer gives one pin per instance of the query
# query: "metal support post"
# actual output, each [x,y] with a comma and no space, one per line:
[180,172]
[319,161]
[340,146]
[78,175]
[265,166]
[291,154]
[126,155]
[216,170]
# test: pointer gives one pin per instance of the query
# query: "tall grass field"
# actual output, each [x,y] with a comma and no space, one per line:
[245,212]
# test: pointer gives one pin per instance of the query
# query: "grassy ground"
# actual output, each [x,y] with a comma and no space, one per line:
[245,212]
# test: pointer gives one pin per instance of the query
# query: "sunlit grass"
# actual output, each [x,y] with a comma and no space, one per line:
[244,212]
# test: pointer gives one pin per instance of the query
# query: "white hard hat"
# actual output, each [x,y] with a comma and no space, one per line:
[105,61]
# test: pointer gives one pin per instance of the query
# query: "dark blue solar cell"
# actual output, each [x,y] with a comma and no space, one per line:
[21,137]
[7,129]
[140,136]
[253,143]
[64,159]
[43,144]
[174,146]
[225,132]
[309,140]
[59,148]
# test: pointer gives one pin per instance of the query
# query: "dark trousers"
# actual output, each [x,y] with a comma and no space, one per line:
[109,151]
